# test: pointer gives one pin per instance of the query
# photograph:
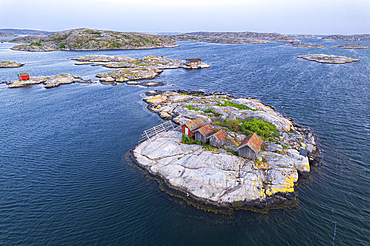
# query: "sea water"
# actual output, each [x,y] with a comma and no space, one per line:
[65,178]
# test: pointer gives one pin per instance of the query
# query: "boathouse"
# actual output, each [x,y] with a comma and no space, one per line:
[23,76]
[250,146]
[218,139]
[193,62]
[189,127]
[203,134]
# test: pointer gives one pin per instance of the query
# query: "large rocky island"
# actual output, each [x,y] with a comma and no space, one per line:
[83,39]
[218,177]
[233,37]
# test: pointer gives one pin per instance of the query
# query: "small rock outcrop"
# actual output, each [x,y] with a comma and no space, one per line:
[218,177]
[10,64]
[331,59]
[307,45]
[49,82]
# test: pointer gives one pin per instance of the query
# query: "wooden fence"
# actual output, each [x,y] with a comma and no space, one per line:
[152,132]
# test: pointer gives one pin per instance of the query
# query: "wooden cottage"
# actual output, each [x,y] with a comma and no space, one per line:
[203,134]
[193,62]
[189,127]
[218,139]
[23,76]
[250,146]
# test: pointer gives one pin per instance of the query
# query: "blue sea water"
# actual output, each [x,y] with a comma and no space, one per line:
[65,179]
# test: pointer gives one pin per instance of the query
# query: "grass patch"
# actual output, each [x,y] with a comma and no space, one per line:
[205,111]
[235,105]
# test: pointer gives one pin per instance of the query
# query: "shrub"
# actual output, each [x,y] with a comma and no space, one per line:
[62,46]
[232,124]
[188,140]
[260,127]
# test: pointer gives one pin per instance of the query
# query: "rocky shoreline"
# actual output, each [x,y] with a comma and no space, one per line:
[330,59]
[219,177]
[10,64]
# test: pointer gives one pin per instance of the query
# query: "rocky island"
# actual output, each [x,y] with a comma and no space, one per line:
[351,46]
[218,177]
[331,59]
[307,45]
[48,81]
[132,69]
[10,64]
[84,39]
[233,37]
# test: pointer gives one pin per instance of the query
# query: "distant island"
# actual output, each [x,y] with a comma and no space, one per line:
[357,37]
[233,37]
[302,36]
[351,46]
[84,39]
[331,59]
[6,34]
[307,45]
[16,32]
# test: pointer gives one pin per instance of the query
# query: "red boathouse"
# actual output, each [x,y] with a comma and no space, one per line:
[23,76]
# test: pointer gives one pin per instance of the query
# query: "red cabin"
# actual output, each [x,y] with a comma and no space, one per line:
[189,127]
[23,76]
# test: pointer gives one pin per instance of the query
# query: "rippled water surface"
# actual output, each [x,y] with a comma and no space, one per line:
[64,178]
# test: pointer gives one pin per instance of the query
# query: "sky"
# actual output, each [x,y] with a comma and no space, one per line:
[282,16]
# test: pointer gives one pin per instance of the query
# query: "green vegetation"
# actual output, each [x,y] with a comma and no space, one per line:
[188,140]
[191,140]
[192,108]
[262,128]
[235,105]
[62,46]
[36,44]
[205,111]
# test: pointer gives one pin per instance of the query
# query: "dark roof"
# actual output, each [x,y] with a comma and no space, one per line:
[193,59]
[205,130]
[195,124]
[220,135]
[253,141]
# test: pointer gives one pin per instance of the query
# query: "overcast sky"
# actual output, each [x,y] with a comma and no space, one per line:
[282,16]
